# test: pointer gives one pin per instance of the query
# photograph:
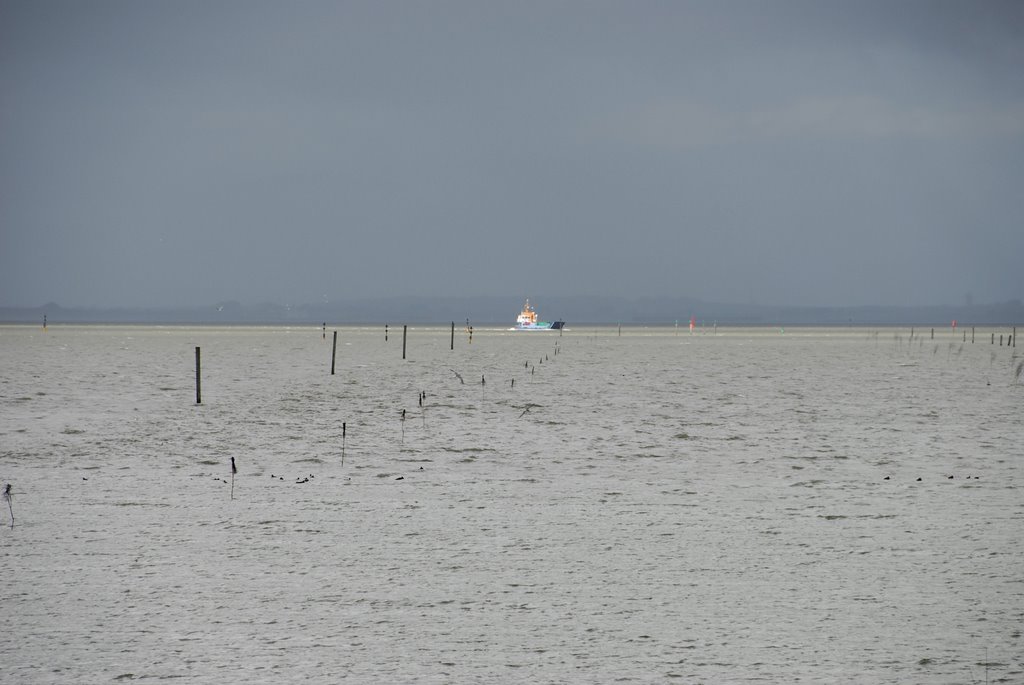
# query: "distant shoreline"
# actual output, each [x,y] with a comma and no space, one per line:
[501,311]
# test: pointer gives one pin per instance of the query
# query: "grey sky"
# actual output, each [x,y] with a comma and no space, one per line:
[178,153]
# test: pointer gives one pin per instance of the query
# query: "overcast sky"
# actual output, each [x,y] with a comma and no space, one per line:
[164,153]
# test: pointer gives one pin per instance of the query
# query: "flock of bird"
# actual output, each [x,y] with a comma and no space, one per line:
[919,479]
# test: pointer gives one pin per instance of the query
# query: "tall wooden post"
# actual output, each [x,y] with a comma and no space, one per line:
[199,391]
[405,331]
[334,349]
[453,335]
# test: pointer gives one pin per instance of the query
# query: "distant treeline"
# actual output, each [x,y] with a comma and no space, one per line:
[483,311]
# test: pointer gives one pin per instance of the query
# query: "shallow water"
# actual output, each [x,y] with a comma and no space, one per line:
[645,507]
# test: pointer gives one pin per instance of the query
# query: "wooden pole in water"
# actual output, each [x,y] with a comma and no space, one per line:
[385,332]
[10,503]
[342,443]
[933,334]
[453,336]
[199,385]
[324,335]
[405,331]
[972,335]
[334,350]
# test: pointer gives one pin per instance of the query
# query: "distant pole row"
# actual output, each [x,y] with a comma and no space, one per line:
[334,348]
[1011,338]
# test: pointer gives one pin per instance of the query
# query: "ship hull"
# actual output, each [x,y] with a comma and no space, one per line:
[541,326]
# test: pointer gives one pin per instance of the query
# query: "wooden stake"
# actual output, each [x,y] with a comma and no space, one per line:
[199,386]
[405,331]
[334,349]
[453,336]
[342,443]
[10,505]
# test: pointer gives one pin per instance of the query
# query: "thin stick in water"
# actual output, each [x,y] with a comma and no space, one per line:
[234,470]
[334,349]
[10,505]
[199,391]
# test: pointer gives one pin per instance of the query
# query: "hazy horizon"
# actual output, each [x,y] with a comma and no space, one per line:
[411,298]
[501,310]
[178,154]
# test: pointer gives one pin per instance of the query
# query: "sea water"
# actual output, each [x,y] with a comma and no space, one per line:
[655,505]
